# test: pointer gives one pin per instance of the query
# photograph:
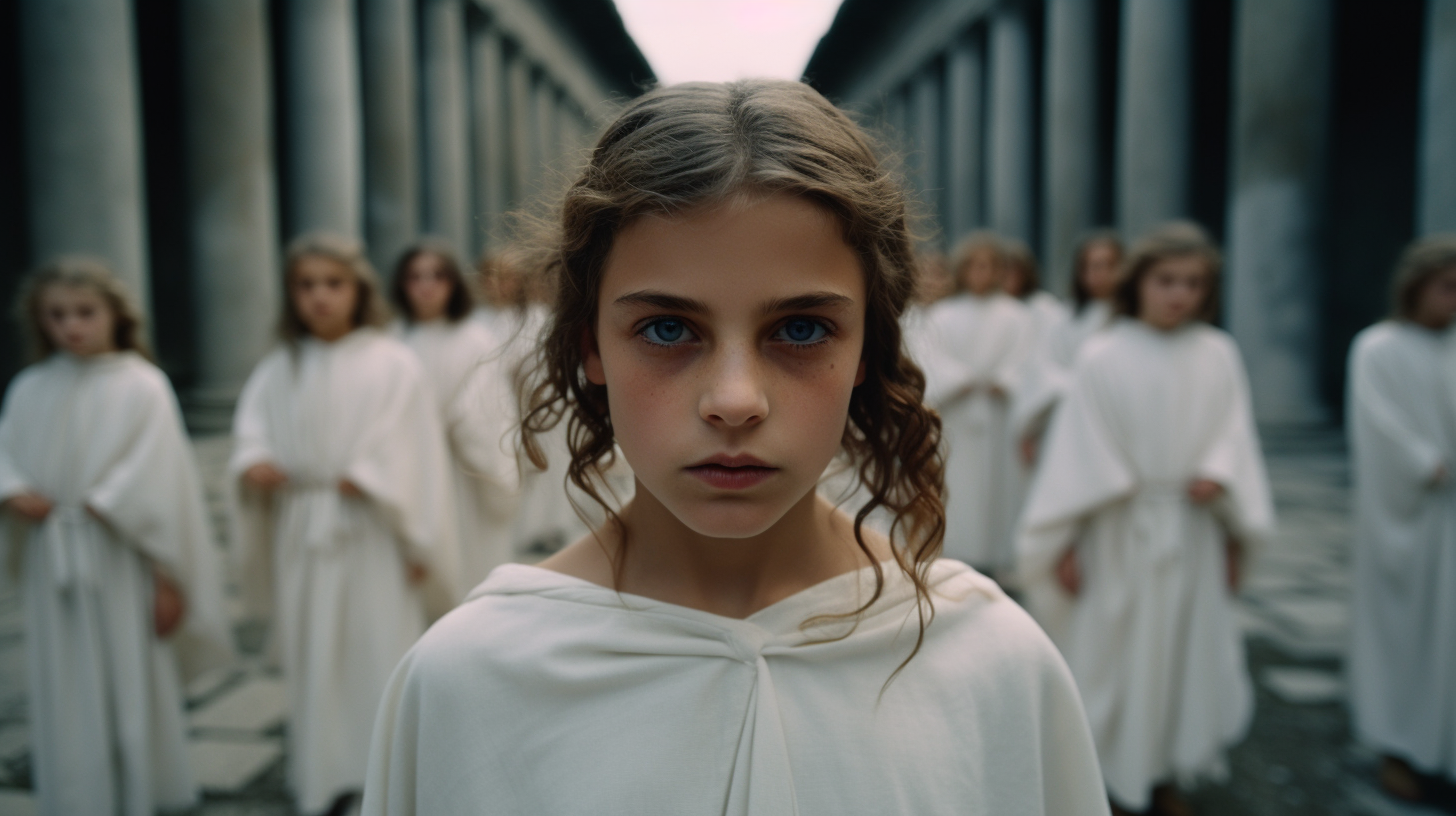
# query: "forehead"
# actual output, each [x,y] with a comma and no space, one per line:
[738,252]
[313,266]
[69,294]
[1180,265]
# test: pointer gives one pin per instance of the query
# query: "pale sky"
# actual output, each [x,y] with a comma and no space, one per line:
[721,40]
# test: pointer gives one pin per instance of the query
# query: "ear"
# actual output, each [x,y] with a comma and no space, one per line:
[859,373]
[591,358]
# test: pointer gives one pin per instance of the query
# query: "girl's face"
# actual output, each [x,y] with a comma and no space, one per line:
[729,341]
[1099,270]
[1436,305]
[501,286]
[326,296]
[427,286]
[982,272]
[77,319]
[1015,284]
[1173,291]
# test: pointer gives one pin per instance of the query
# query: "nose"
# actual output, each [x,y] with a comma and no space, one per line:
[735,396]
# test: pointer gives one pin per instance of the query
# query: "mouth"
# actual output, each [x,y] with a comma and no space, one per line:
[732,472]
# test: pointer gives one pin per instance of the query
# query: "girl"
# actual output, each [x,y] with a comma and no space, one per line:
[123,589]
[977,342]
[1402,410]
[1094,280]
[463,362]
[1151,485]
[1024,283]
[344,512]
[732,266]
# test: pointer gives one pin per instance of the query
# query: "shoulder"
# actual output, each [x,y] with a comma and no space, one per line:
[1383,338]
[383,349]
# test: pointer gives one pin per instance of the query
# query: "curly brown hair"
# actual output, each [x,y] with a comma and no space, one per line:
[1175,239]
[458,307]
[82,272]
[1081,295]
[369,310]
[696,144]
[1419,263]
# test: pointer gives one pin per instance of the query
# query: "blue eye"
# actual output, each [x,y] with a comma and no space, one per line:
[802,331]
[666,332]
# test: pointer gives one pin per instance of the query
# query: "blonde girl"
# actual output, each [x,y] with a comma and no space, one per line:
[1151,487]
[731,269]
[344,511]
[123,593]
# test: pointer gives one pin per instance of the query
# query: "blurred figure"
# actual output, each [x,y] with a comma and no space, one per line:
[1151,487]
[344,510]
[502,294]
[123,589]
[1402,423]
[1023,282]
[464,363]
[976,342]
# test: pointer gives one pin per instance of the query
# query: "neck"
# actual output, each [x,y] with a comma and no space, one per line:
[332,334]
[1434,323]
[734,577]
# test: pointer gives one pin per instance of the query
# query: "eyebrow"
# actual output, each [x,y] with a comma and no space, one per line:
[675,303]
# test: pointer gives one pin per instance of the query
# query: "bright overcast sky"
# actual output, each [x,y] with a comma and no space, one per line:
[721,40]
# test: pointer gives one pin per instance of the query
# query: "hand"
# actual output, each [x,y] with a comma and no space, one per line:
[1203,491]
[168,604]
[996,391]
[350,489]
[415,574]
[1441,476]
[29,506]
[1069,572]
[1030,446]
[264,476]
[1234,562]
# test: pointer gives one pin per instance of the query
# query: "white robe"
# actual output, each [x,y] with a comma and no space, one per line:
[1402,664]
[1048,370]
[970,345]
[330,567]
[107,728]
[548,694]
[465,365]
[1152,639]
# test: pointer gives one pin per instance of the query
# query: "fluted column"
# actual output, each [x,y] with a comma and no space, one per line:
[925,111]
[1070,134]
[232,197]
[1436,179]
[548,143]
[325,165]
[1011,124]
[964,78]
[1153,114]
[1281,100]
[391,140]
[524,150]
[447,141]
[491,135]
[82,125]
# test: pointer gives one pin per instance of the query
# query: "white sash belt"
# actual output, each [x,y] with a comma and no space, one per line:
[69,537]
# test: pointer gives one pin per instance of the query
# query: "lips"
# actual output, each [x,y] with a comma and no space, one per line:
[737,472]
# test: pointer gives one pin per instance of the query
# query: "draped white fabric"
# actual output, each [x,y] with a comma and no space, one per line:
[1152,638]
[1402,422]
[331,568]
[547,694]
[102,439]
[1049,366]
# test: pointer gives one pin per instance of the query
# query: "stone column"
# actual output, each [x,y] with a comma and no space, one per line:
[1437,177]
[324,140]
[391,140]
[232,198]
[446,127]
[548,142]
[491,141]
[524,150]
[1071,149]
[82,122]
[1011,125]
[1153,115]
[925,105]
[1277,149]
[895,121]
[964,78]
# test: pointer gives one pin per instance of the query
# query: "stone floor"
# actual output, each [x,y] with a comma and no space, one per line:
[1299,758]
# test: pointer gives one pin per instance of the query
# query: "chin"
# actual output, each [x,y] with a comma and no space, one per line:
[730,518]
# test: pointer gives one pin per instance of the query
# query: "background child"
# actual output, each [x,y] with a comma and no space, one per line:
[1402,420]
[122,584]
[978,342]
[1023,282]
[1151,484]
[733,266]
[344,512]
[464,363]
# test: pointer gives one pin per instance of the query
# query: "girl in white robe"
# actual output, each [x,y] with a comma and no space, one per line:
[729,643]
[1402,423]
[465,365]
[344,512]
[123,590]
[1151,484]
[975,346]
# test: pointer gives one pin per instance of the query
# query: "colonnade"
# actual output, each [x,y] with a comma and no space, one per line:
[381,119]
